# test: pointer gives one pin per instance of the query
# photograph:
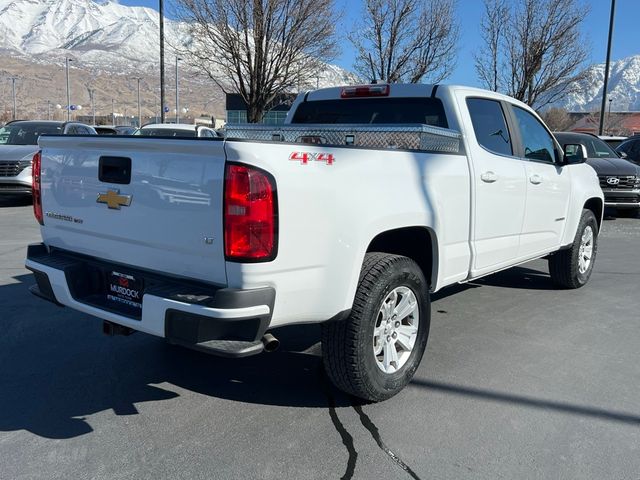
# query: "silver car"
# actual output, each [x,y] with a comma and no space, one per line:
[18,144]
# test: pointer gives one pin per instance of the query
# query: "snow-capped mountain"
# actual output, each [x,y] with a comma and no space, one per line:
[102,35]
[623,88]
[98,34]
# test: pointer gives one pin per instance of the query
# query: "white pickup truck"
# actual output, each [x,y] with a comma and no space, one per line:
[350,214]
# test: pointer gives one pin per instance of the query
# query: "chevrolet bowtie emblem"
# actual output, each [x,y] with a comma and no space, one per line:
[114,200]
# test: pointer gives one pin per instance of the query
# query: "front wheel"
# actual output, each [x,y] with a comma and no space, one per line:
[374,353]
[572,267]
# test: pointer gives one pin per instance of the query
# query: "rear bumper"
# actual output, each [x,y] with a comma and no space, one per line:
[621,198]
[220,321]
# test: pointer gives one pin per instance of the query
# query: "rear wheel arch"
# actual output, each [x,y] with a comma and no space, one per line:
[417,243]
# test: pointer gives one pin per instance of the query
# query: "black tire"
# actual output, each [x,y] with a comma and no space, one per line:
[563,265]
[347,345]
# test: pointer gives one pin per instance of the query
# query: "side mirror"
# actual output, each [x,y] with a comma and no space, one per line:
[574,153]
[622,154]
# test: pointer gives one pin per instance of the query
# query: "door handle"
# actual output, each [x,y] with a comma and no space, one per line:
[489,177]
[535,179]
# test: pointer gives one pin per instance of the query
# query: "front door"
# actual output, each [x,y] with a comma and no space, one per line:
[548,187]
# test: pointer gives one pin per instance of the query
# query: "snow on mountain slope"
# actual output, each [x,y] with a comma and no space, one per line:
[102,35]
[623,88]
[105,33]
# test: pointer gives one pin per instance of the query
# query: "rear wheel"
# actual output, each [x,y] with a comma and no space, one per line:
[572,267]
[374,353]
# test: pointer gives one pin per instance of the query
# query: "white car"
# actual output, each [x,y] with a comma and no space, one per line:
[351,214]
[18,145]
[176,130]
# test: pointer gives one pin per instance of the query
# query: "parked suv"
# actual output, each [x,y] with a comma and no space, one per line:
[630,149]
[612,140]
[619,178]
[18,144]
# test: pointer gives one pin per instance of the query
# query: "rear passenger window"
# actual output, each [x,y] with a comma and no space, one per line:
[536,141]
[489,125]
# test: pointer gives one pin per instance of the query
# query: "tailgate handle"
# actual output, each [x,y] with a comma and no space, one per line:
[114,170]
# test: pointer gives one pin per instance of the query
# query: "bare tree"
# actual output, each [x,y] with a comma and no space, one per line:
[557,119]
[406,40]
[5,117]
[614,123]
[536,49]
[487,60]
[260,49]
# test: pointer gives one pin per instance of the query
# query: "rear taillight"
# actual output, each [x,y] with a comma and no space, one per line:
[36,190]
[250,214]
[365,91]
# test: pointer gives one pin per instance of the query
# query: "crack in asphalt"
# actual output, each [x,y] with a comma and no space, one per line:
[347,438]
[375,433]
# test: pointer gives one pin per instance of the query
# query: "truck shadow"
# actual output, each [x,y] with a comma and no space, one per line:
[515,277]
[518,277]
[57,368]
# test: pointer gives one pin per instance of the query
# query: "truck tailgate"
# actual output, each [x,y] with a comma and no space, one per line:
[166,217]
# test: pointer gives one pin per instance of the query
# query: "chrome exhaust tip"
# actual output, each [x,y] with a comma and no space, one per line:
[270,343]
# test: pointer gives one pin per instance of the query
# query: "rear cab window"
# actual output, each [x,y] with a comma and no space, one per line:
[489,125]
[388,110]
[165,132]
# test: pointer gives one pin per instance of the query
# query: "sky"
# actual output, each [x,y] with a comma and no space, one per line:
[469,12]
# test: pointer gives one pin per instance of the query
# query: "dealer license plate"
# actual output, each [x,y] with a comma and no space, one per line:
[125,289]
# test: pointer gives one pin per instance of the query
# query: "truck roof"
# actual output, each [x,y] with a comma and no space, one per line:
[173,126]
[406,90]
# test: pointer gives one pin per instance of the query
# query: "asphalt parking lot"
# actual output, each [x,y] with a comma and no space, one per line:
[519,381]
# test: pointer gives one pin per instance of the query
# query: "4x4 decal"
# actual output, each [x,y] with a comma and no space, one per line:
[305,157]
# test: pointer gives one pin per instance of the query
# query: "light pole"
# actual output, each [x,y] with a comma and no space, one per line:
[113,112]
[609,115]
[161,4]
[606,67]
[67,60]
[177,103]
[13,86]
[139,109]
[93,105]
[157,97]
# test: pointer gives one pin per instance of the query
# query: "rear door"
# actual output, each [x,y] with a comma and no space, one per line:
[151,203]
[498,178]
